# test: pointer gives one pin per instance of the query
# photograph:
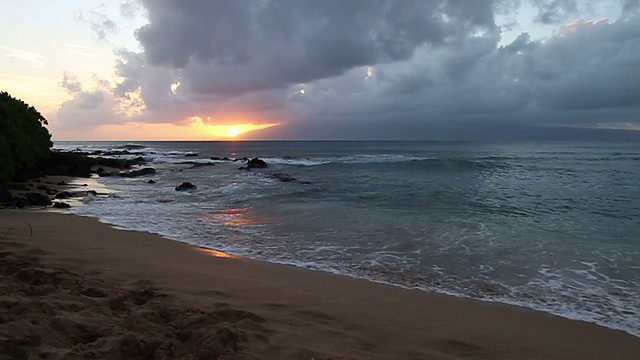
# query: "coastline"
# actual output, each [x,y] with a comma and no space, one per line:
[272,311]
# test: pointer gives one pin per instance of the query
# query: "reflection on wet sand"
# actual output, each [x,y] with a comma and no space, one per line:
[215,253]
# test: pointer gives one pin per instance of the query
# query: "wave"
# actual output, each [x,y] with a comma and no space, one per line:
[131,146]
[429,164]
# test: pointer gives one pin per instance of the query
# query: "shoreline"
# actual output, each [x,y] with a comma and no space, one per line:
[304,310]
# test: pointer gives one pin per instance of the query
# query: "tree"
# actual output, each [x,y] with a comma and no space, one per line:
[23,138]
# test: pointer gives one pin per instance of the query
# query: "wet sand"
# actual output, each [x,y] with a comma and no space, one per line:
[71,288]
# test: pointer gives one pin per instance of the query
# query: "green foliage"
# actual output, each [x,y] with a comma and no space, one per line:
[23,138]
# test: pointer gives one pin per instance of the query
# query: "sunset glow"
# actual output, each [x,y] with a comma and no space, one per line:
[229,131]
[196,130]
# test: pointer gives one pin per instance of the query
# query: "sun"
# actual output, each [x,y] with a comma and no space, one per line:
[233,131]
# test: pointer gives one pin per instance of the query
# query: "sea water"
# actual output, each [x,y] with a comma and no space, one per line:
[551,226]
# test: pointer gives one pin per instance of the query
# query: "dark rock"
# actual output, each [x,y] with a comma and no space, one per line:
[42,187]
[5,195]
[62,183]
[33,174]
[103,173]
[22,187]
[191,155]
[62,163]
[186,186]
[51,191]
[37,199]
[137,161]
[196,164]
[64,195]
[113,163]
[120,163]
[256,163]
[61,205]
[243,168]
[282,177]
[20,202]
[151,182]
[136,173]
[216,158]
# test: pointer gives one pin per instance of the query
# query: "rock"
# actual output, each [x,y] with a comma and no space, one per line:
[61,205]
[33,174]
[102,172]
[37,199]
[151,181]
[42,187]
[22,187]
[51,191]
[256,163]
[282,177]
[63,163]
[20,202]
[120,163]
[63,195]
[137,161]
[191,155]
[199,165]
[5,195]
[186,186]
[136,173]
[62,183]
[243,168]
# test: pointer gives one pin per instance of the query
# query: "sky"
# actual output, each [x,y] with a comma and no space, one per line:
[331,69]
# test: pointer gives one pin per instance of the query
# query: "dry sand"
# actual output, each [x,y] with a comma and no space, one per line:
[71,288]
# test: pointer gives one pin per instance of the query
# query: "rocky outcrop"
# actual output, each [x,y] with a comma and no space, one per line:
[256,163]
[22,187]
[66,164]
[63,195]
[5,195]
[136,173]
[282,177]
[120,163]
[37,199]
[61,205]
[103,173]
[186,186]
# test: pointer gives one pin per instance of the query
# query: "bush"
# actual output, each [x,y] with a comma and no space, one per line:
[23,138]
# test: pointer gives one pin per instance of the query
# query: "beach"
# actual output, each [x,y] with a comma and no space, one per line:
[73,287]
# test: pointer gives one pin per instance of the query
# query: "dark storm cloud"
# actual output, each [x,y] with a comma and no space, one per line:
[401,63]
[240,46]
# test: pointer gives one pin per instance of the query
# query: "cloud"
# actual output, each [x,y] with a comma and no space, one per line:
[405,64]
[88,108]
[554,11]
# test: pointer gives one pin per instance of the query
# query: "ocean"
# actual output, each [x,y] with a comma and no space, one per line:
[552,226]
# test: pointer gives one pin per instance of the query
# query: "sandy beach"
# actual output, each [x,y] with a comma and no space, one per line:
[72,287]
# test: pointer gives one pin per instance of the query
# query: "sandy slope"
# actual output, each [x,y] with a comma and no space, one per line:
[71,287]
